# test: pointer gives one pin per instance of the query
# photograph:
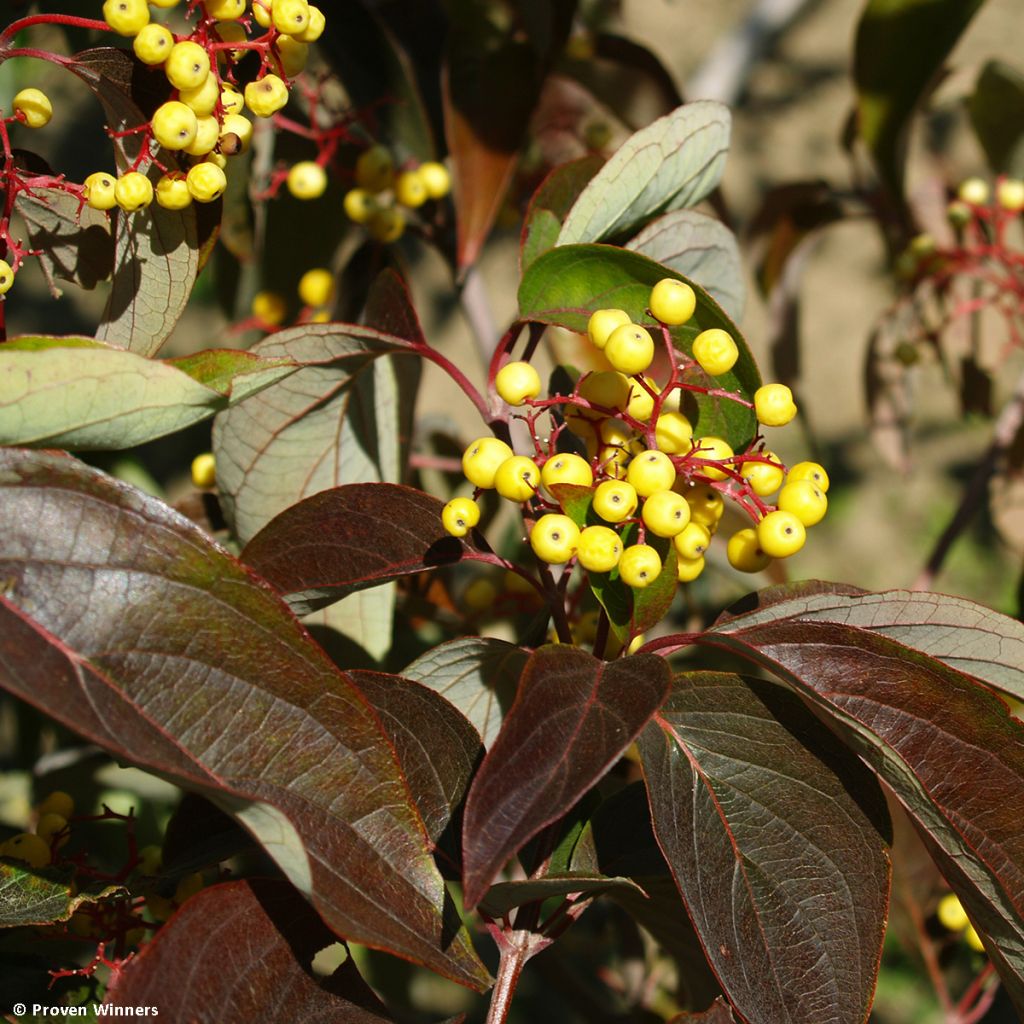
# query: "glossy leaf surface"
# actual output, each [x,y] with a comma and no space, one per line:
[777,840]
[229,696]
[572,719]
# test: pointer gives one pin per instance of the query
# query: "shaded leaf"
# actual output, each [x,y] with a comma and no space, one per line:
[572,719]
[479,675]
[701,249]
[77,393]
[30,897]
[227,696]
[719,1013]
[237,949]
[997,114]
[777,839]
[348,538]
[900,47]
[566,285]
[505,896]
[673,162]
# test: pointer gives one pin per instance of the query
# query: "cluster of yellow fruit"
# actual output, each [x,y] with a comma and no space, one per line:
[952,916]
[383,193]
[36,849]
[316,292]
[643,465]
[975,193]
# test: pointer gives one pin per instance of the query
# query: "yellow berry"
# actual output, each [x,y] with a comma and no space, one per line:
[566,468]
[307,180]
[34,105]
[316,287]
[126,17]
[688,569]
[375,169]
[517,478]
[516,382]
[410,190]
[554,538]
[153,44]
[459,516]
[266,96]
[133,191]
[951,913]
[630,349]
[261,12]
[435,178]
[745,553]
[187,65]
[692,541]
[780,534]
[714,449]
[613,460]
[51,825]
[165,4]
[602,322]
[172,191]
[481,460]
[231,100]
[764,477]
[608,389]
[151,859]
[386,224]
[673,433]
[973,939]
[641,399]
[206,182]
[974,191]
[615,500]
[235,127]
[6,277]
[651,471]
[290,16]
[1010,194]
[188,887]
[480,594]
[359,205]
[599,549]
[29,848]
[207,135]
[99,191]
[202,100]
[805,500]
[269,307]
[706,505]
[225,10]
[292,54]
[774,405]
[204,470]
[57,802]
[639,565]
[174,125]
[715,351]
[315,29]
[672,302]
[809,471]
[665,513]
[581,423]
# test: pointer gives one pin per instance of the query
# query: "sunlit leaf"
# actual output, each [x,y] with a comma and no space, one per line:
[30,896]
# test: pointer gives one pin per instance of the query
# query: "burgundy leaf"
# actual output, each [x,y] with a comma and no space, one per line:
[123,621]
[389,308]
[572,719]
[720,1012]
[349,538]
[776,837]
[241,952]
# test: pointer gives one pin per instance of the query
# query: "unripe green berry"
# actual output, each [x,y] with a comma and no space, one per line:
[126,17]
[34,106]
[435,178]
[672,302]
[481,460]
[517,478]
[172,191]
[204,470]
[973,191]
[187,65]
[805,500]
[688,569]
[153,44]
[809,471]
[601,324]
[410,190]
[6,277]
[630,349]
[651,471]
[554,538]
[174,125]
[600,549]
[386,224]
[206,182]
[764,477]
[774,405]
[780,534]
[745,553]
[290,16]
[460,515]
[307,180]
[133,191]
[692,541]
[516,382]
[666,513]
[673,433]
[715,449]
[615,500]
[266,96]
[959,214]
[715,351]
[316,287]
[375,169]
[639,566]
[566,468]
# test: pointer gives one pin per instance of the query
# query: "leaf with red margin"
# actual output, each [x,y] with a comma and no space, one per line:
[235,951]
[778,840]
[720,1012]
[945,745]
[349,538]
[124,622]
[572,719]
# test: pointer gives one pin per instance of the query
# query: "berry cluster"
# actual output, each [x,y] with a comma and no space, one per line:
[269,309]
[38,849]
[646,478]
[953,917]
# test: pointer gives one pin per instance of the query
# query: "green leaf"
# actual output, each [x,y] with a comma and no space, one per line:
[778,841]
[997,113]
[32,897]
[79,394]
[566,285]
[701,249]
[479,675]
[228,696]
[900,47]
[505,896]
[673,162]
[550,203]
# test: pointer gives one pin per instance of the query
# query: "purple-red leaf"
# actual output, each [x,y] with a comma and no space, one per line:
[123,621]
[237,951]
[572,719]
[350,538]
[720,1012]
[776,838]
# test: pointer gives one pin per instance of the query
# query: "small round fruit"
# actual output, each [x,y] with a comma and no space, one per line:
[315,29]
[973,939]
[672,302]
[316,287]
[187,65]
[51,825]
[133,191]
[230,32]
[172,191]
[307,180]
[973,191]
[764,477]
[554,538]
[516,382]
[602,322]
[460,515]
[606,388]
[951,913]
[774,405]
[34,106]
[231,100]
[164,4]
[207,135]
[225,10]
[6,277]
[600,549]
[410,190]
[1009,194]
[673,433]
[665,513]
[153,44]
[375,169]
[651,471]
[780,534]
[688,569]
[630,349]
[206,182]
[126,17]
[581,422]
[359,205]
[204,471]
[266,96]
[517,478]
[639,566]
[641,399]
[566,468]
[290,16]
[481,460]
[706,505]
[99,191]
[805,500]
[809,471]
[202,100]
[692,541]
[57,802]
[292,55]
[386,224]
[436,179]
[612,461]
[480,594]
[235,134]
[261,12]
[615,500]
[174,125]
[745,553]
[269,307]
[959,214]
[32,849]
[715,351]
[715,450]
